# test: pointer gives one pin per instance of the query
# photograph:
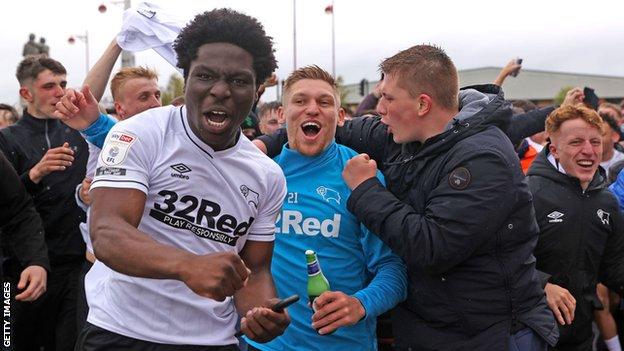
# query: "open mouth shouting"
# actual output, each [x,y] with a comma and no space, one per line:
[216,119]
[311,129]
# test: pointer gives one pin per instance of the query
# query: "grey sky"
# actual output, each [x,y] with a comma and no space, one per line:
[549,35]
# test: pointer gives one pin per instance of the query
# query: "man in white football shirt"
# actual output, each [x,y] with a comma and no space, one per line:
[183,208]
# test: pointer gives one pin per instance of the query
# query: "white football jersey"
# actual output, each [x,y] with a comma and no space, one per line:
[198,200]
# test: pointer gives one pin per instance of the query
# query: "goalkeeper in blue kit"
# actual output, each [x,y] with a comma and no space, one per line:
[366,278]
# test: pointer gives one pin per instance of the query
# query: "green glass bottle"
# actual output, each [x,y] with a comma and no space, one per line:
[317,283]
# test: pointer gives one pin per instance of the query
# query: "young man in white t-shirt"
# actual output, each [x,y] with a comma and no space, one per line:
[183,207]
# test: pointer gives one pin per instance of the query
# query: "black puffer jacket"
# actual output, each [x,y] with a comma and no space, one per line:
[459,212]
[581,240]
[20,226]
[24,144]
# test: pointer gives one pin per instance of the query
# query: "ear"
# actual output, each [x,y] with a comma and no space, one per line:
[120,111]
[553,149]
[280,115]
[26,94]
[424,104]
[341,116]
[615,137]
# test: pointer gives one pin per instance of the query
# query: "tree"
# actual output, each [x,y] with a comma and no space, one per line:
[558,99]
[343,91]
[175,88]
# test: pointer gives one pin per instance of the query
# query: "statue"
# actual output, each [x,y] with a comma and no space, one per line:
[31,48]
[43,48]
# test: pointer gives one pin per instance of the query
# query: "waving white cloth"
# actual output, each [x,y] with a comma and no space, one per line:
[148,26]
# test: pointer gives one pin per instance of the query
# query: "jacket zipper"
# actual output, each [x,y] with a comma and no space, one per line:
[46,134]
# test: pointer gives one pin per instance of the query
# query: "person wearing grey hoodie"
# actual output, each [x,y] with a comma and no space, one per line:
[457,209]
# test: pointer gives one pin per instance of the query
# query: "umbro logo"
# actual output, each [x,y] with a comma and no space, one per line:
[181,168]
[555,217]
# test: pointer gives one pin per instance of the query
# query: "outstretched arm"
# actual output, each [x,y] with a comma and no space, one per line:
[511,67]
[98,75]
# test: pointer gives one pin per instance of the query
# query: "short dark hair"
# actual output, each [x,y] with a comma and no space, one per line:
[14,116]
[425,69]
[227,26]
[32,65]
[525,105]
[614,171]
[268,107]
[609,121]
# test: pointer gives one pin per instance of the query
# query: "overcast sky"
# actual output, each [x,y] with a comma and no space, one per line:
[571,36]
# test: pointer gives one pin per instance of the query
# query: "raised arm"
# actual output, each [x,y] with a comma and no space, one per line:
[98,75]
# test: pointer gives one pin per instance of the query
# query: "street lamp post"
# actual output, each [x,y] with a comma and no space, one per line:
[127,57]
[330,10]
[294,35]
[85,39]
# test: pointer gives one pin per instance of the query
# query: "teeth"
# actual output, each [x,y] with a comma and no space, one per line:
[218,113]
[311,124]
[216,124]
[585,163]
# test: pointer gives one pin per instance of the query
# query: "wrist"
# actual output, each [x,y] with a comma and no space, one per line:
[34,175]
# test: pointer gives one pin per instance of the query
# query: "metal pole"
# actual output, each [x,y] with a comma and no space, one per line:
[86,40]
[127,57]
[294,35]
[333,43]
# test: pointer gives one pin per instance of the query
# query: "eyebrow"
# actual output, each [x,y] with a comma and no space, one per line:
[322,96]
[227,73]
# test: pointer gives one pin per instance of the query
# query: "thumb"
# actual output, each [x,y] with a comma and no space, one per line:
[24,278]
[89,98]
[65,144]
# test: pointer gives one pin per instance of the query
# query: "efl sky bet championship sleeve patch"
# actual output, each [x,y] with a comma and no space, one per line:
[459,179]
[116,148]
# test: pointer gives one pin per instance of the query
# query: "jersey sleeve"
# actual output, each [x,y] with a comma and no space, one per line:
[126,158]
[263,228]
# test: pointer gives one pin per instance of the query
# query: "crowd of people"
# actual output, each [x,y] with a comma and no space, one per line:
[476,222]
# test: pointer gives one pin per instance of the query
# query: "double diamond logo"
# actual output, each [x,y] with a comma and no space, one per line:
[181,168]
[555,217]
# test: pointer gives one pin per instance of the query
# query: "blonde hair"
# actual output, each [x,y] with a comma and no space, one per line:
[310,72]
[128,73]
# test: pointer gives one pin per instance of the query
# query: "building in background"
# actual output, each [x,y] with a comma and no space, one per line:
[541,87]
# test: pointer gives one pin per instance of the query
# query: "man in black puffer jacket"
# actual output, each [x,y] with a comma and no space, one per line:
[581,241]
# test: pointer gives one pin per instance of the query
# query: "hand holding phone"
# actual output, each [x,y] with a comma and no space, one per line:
[516,71]
[278,307]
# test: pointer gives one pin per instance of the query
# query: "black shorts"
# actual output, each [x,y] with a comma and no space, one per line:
[94,338]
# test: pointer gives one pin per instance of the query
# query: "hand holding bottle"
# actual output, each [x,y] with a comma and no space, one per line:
[335,309]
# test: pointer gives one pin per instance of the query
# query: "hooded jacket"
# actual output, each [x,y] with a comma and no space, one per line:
[459,212]
[580,241]
[24,144]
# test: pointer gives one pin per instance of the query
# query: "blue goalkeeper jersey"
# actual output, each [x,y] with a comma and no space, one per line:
[353,260]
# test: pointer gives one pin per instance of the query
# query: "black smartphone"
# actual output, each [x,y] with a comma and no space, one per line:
[281,304]
[278,307]
[590,99]
[515,73]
